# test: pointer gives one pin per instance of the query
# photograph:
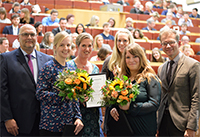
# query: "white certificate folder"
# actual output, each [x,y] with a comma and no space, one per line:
[98,81]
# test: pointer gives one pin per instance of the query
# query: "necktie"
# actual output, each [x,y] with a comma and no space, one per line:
[169,74]
[30,63]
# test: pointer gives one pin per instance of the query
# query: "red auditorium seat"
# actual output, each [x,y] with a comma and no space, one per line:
[2,35]
[80,5]
[145,45]
[33,2]
[11,39]
[88,30]
[127,8]
[158,10]
[94,53]
[63,4]
[148,34]
[133,16]
[154,45]
[72,29]
[197,57]
[39,39]
[193,38]
[38,17]
[155,36]
[2,25]
[49,51]
[111,43]
[43,50]
[50,28]
[7,6]
[47,3]
[143,17]
[26,6]
[113,32]
[196,48]
[95,6]
[196,22]
[11,49]
[194,29]
[96,32]
[155,68]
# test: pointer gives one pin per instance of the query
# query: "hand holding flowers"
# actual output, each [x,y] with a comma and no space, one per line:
[74,85]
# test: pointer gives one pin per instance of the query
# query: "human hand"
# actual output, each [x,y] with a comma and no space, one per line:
[189,133]
[125,107]
[86,99]
[11,127]
[114,114]
[79,126]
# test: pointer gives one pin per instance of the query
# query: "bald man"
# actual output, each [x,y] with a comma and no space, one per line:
[20,111]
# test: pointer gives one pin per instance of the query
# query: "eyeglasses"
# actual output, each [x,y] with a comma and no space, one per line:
[27,35]
[124,41]
[169,42]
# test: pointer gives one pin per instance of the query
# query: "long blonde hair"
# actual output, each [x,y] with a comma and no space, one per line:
[96,47]
[145,71]
[117,55]
[93,21]
[27,15]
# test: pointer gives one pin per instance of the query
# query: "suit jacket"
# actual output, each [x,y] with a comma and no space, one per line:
[133,10]
[146,28]
[56,30]
[182,93]
[18,89]
[9,30]
[122,3]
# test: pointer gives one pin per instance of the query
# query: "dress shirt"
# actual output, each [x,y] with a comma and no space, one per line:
[15,30]
[189,22]
[46,21]
[34,61]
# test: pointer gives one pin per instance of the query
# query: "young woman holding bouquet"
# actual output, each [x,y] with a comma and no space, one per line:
[90,116]
[55,113]
[141,114]
[111,65]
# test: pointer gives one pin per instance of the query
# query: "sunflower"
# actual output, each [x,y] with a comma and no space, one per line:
[115,83]
[84,77]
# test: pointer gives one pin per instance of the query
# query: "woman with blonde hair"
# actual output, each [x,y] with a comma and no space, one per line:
[98,43]
[140,114]
[55,113]
[25,17]
[93,21]
[47,41]
[91,116]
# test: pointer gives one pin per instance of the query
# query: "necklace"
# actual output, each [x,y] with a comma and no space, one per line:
[79,64]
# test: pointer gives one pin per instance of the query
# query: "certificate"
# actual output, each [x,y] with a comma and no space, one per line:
[98,81]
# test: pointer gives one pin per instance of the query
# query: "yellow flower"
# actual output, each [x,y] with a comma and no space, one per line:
[115,83]
[84,77]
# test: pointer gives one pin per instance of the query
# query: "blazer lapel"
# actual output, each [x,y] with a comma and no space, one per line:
[39,60]
[22,60]
[11,30]
[164,78]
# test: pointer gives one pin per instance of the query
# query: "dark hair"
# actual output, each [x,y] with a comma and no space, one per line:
[37,24]
[141,35]
[53,11]
[2,39]
[15,4]
[102,53]
[3,11]
[69,16]
[61,19]
[15,16]
[113,21]
[195,9]
[153,59]
[77,28]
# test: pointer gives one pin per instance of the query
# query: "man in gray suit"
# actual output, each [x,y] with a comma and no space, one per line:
[179,108]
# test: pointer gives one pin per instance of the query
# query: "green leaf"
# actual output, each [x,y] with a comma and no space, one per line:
[125,78]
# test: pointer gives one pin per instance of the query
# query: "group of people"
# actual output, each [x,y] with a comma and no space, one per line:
[167,105]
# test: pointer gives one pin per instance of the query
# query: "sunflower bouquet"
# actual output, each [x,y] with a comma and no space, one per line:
[74,84]
[119,91]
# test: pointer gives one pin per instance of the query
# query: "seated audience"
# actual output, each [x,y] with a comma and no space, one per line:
[137,34]
[197,40]
[98,43]
[179,13]
[123,2]
[137,8]
[47,41]
[106,32]
[194,14]
[157,4]
[80,28]
[112,22]
[169,17]
[4,45]
[51,20]
[102,54]
[168,25]
[184,30]
[3,16]
[185,19]
[93,21]
[74,36]
[39,27]
[15,8]
[25,2]
[148,8]
[165,5]
[35,9]
[129,22]
[14,28]
[8,1]
[150,25]
[157,56]
[172,8]
[62,27]
[25,17]
[187,50]
[70,20]
[185,41]
[155,16]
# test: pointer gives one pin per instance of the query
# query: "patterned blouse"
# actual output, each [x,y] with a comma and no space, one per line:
[55,113]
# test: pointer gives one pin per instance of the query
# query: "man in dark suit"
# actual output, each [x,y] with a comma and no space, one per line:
[150,25]
[179,108]
[123,2]
[14,28]
[138,8]
[20,110]
[62,27]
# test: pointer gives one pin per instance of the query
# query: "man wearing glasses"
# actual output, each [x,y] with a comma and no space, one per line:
[51,20]
[19,71]
[179,108]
